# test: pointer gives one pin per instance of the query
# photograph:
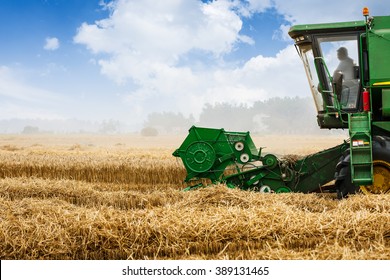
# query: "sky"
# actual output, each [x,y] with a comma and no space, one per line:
[121,60]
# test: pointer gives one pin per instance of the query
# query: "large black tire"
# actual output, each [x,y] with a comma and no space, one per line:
[343,179]
[344,186]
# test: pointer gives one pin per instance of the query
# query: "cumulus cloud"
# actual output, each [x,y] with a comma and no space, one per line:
[147,41]
[51,44]
[163,31]
[11,87]
[248,7]
[151,43]
[21,100]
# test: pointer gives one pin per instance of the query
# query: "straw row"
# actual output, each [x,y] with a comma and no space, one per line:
[211,223]
[111,167]
[87,194]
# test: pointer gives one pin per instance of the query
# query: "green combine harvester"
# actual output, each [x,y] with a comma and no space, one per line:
[348,68]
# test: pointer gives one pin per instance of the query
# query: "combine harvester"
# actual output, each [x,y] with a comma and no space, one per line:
[356,96]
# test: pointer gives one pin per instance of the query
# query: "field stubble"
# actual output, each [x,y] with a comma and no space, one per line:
[123,201]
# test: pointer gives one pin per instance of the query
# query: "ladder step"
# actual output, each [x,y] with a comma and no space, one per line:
[363,181]
[361,148]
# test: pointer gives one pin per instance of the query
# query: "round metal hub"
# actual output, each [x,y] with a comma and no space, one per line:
[239,146]
[381,183]
[270,160]
[265,189]
[283,190]
[200,156]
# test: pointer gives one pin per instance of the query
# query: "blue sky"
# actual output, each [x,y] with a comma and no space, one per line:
[100,60]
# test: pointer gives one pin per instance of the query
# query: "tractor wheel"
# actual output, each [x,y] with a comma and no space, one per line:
[381,168]
[381,164]
[381,183]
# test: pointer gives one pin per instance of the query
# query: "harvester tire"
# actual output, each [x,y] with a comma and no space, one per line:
[381,161]
[381,148]
[344,186]
[343,182]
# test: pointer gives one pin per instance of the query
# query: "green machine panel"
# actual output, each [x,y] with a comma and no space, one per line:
[378,48]
[386,102]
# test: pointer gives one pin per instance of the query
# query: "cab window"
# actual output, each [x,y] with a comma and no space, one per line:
[340,76]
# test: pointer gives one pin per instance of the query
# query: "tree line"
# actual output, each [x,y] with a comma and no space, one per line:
[288,115]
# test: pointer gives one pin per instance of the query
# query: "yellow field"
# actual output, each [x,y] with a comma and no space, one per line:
[119,197]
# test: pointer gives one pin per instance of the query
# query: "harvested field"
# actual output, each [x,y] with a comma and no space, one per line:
[117,197]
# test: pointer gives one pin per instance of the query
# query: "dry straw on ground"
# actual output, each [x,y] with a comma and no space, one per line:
[47,212]
[133,166]
[212,223]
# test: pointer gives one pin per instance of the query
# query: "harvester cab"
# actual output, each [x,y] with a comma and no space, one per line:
[347,66]
[335,58]
[331,61]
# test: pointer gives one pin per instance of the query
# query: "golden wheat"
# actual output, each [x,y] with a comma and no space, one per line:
[71,221]
[133,166]
[88,202]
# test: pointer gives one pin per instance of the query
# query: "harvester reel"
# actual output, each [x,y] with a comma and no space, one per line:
[200,156]
[232,158]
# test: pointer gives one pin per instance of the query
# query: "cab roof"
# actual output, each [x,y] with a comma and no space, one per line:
[303,29]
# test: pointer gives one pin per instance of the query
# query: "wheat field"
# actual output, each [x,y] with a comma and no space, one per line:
[99,197]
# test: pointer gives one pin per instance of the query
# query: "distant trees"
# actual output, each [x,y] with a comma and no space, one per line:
[288,115]
[228,116]
[149,131]
[109,127]
[29,129]
[168,122]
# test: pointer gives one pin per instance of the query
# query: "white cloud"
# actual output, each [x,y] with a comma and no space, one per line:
[248,7]
[142,28]
[21,100]
[51,44]
[12,87]
[319,11]
[260,78]
[182,89]
[145,41]
[10,110]
[150,43]
[149,31]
